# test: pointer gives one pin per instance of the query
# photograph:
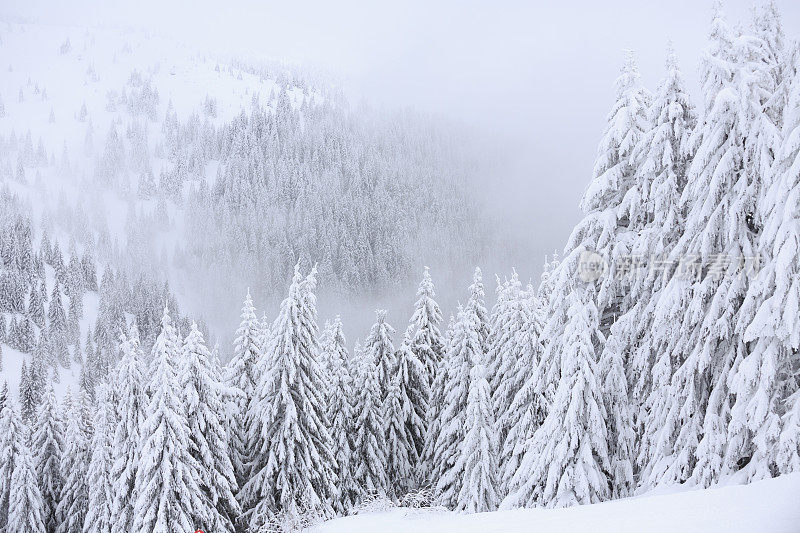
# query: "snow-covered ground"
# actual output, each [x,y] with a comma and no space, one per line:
[770,506]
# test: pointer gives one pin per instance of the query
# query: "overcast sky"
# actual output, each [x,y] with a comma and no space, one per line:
[536,77]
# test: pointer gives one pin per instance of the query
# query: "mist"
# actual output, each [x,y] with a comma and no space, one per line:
[531,82]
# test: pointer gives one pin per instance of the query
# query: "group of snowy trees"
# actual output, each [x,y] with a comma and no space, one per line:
[679,364]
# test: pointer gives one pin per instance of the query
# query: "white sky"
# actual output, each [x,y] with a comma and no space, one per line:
[536,76]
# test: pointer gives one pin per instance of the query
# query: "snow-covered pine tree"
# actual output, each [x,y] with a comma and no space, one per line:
[27,395]
[724,181]
[522,415]
[619,419]
[515,352]
[477,302]
[341,416]
[464,350]
[427,345]
[369,446]
[27,506]
[415,392]
[431,466]
[664,156]
[566,463]
[381,350]
[295,468]
[477,452]
[168,491]
[764,378]
[399,448]
[47,443]
[74,501]
[241,378]
[11,440]
[57,327]
[129,414]
[203,399]
[98,474]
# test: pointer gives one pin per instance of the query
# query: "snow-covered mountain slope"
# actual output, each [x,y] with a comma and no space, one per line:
[218,174]
[769,506]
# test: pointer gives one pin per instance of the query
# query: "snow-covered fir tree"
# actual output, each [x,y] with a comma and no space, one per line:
[47,443]
[74,501]
[12,432]
[566,463]
[463,350]
[294,470]
[369,446]
[427,317]
[241,378]
[168,485]
[399,448]
[27,507]
[204,403]
[129,389]
[98,473]
[341,407]
[478,451]
[380,347]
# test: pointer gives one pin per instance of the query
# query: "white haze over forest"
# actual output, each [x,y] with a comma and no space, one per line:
[265,267]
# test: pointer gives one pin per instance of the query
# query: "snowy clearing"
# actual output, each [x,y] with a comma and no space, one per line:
[766,506]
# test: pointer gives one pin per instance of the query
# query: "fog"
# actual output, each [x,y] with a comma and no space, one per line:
[534,80]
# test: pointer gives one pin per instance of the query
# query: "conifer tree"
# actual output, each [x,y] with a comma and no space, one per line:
[47,442]
[762,381]
[477,452]
[203,398]
[567,460]
[415,392]
[369,448]
[463,351]
[341,416]
[27,508]
[168,491]
[98,475]
[27,395]
[295,468]
[127,435]
[381,349]
[11,441]
[399,448]
[241,378]
[427,345]
[74,502]
[727,168]
[665,157]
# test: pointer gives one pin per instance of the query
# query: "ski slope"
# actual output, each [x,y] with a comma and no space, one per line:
[769,506]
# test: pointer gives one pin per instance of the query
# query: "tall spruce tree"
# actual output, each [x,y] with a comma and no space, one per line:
[478,451]
[566,462]
[98,474]
[129,415]
[74,502]
[168,486]
[341,408]
[241,378]
[27,507]
[427,345]
[12,432]
[204,403]
[295,468]
[47,443]
[463,351]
